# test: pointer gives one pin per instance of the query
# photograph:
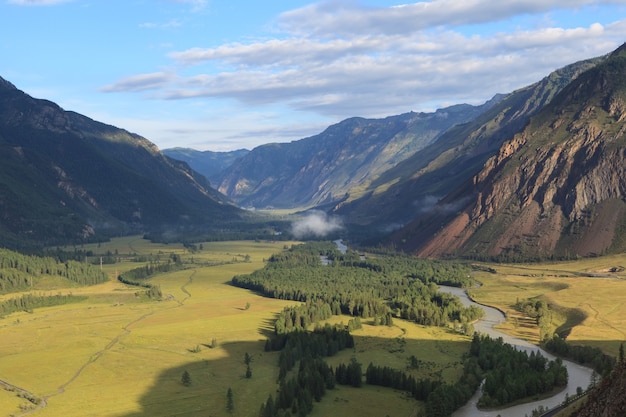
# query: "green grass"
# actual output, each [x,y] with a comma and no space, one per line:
[588,298]
[118,354]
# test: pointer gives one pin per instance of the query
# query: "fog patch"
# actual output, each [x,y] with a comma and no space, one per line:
[317,224]
[432,203]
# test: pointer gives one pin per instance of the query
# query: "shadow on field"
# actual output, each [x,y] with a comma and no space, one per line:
[206,395]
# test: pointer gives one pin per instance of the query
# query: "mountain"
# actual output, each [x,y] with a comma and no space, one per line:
[556,188]
[208,163]
[417,183]
[340,161]
[65,177]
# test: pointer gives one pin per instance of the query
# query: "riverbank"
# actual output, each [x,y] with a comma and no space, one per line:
[579,376]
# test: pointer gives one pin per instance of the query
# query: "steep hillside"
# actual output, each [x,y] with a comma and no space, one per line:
[208,163]
[417,183]
[342,160]
[607,399]
[65,177]
[555,189]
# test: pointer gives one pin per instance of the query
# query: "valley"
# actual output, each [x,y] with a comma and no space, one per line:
[135,284]
[118,353]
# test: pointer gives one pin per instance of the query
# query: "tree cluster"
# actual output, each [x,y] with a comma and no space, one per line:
[372,288]
[585,355]
[315,376]
[511,374]
[17,271]
[386,376]
[28,302]
[350,374]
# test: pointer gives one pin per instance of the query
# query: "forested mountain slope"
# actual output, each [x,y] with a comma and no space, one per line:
[67,178]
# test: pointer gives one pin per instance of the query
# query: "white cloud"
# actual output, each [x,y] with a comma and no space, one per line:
[350,18]
[317,224]
[342,59]
[139,82]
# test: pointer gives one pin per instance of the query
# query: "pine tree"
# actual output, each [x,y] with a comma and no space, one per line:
[186,379]
[230,406]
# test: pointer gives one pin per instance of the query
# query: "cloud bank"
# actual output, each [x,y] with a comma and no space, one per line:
[337,59]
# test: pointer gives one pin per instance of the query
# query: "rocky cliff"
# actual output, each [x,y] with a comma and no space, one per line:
[556,188]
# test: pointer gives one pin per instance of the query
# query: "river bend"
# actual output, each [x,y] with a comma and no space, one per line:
[579,376]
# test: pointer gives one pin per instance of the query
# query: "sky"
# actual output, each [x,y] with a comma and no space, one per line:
[222,75]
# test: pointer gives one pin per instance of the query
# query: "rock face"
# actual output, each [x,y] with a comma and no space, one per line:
[419,181]
[556,188]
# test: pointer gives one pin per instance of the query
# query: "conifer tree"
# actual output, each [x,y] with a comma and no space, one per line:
[186,379]
[230,406]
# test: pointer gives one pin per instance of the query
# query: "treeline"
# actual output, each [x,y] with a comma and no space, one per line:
[137,276]
[29,302]
[18,271]
[359,288]
[151,290]
[172,264]
[584,355]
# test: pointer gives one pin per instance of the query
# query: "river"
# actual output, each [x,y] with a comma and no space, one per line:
[579,376]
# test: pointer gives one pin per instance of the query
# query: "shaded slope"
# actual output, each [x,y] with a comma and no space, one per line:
[343,159]
[65,177]
[208,163]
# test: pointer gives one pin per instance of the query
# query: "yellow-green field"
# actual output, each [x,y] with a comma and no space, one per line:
[117,354]
[588,296]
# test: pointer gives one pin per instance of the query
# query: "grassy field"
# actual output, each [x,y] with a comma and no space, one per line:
[588,297]
[117,354]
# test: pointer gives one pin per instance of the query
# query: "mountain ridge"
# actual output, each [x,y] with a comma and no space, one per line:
[342,159]
[554,189]
[66,177]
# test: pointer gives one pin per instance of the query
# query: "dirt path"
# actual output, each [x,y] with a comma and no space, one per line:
[41,402]
[605,322]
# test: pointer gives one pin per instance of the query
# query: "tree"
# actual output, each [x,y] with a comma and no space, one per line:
[186,378]
[621,352]
[247,359]
[248,372]
[230,406]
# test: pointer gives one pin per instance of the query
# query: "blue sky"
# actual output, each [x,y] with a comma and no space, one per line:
[222,75]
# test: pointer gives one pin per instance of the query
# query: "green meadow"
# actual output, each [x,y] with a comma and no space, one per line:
[587,298]
[118,353]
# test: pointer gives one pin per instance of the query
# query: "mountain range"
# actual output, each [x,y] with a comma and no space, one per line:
[537,172]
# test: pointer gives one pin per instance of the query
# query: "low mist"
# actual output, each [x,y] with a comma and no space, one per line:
[317,224]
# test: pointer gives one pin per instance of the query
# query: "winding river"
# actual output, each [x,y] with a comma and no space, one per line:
[579,376]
